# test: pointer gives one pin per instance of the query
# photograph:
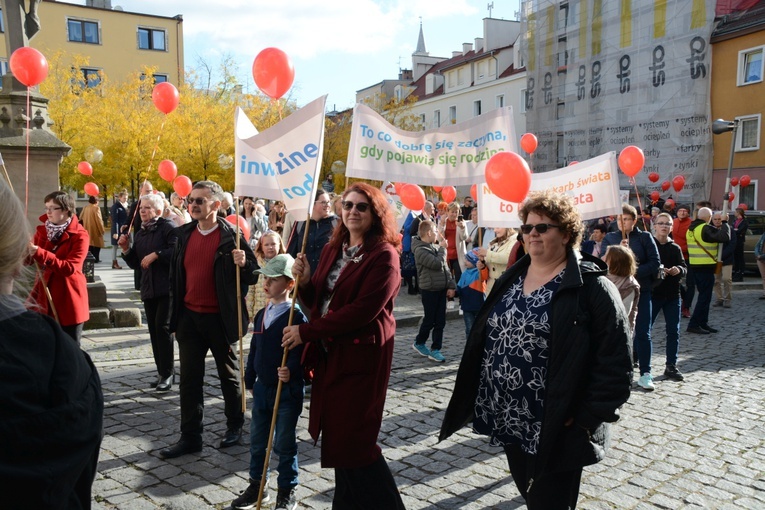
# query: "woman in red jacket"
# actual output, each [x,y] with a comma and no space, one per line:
[349,341]
[59,247]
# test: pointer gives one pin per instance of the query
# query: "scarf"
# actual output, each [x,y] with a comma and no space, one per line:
[149,223]
[56,231]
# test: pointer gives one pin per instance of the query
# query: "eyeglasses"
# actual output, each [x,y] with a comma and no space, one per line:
[662,224]
[51,209]
[198,200]
[325,203]
[540,227]
[361,206]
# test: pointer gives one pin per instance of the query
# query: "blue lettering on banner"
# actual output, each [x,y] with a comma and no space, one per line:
[256,167]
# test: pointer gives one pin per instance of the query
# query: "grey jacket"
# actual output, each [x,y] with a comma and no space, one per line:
[432,270]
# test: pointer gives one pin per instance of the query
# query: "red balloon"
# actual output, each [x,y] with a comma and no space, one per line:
[85,168]
[167,170]
[529,143]
[398,186]
[474,192]
[743,206]
[631,160]
[243,225]
[678,183]
[165,97]
[665,185]
[91,188]
[573,163]
[655,196]
[182,185]
[412,197]
[745,181]
[273,72]
[731,196]
[29,66]
[670,203]
[449,193]
[653,177]
[438,189]
[734,181]
[508,176]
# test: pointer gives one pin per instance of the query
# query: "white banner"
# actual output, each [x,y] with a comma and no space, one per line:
[282,162]
[594,185]
[452,155]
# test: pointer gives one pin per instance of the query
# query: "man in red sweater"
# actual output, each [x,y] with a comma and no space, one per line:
[204,313]
[679,229]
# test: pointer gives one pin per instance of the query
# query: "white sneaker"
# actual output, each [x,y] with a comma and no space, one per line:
[646,382]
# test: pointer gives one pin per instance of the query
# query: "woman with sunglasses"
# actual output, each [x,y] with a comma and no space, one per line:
[349,343]
[59,247]
[547,364]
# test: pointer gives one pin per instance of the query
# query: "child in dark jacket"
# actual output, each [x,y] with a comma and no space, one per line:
[472,289]
[436,284]
[262,375]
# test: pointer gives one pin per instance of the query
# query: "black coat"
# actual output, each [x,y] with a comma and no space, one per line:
[119,220]
[51,416]
[589,370]
[159,238]
[225,277]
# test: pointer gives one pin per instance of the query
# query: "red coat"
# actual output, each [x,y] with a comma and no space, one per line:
[351,380]
[61,264]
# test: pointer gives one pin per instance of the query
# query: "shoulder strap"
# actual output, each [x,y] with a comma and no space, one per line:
[693,234]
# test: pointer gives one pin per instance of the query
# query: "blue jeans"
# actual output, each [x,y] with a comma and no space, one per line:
[434,311]
[285,442]
[469,321]
[671,309]
[705,283]
[641,344]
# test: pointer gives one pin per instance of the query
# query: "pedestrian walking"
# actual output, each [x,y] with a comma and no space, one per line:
[549,366]
[119,218]
[349,343]
[94,224]
[204,314]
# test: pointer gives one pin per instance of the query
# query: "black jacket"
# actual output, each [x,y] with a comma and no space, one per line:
[51,416]
[159,238]
[319,233]
[225,277]
[671,255]
[266,351]
[589,369]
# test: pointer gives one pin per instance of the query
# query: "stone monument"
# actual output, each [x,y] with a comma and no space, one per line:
[45,150]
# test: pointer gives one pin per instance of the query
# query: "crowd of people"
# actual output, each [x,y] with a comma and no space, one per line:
[555,324]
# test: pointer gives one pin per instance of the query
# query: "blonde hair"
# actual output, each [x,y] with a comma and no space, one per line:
[279,244]
[621,261]
[14,239]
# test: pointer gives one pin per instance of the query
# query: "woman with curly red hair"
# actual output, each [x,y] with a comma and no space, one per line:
[349,342]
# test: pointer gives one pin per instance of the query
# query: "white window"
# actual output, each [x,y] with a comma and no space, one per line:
[748,196]
[461,76]
[524,100]
[437,118]
[453,114]
[750,66]
[476,108]
[452,78]
[500,101]
[748,138]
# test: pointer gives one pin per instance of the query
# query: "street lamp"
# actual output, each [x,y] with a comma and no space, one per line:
[719,127]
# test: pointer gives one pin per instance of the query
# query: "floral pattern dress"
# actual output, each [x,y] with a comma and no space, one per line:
[510,402]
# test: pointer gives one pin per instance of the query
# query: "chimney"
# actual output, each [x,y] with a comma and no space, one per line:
[405,74]
[456,54]
[467,48]
[478,44]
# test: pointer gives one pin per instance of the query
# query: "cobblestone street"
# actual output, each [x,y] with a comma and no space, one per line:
[692,444]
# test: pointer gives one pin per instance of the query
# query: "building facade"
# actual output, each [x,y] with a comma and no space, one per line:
[116,42]
[738,93]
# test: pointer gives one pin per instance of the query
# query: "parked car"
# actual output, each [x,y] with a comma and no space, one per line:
[756,221]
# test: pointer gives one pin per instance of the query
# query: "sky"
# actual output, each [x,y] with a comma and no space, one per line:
[336,46]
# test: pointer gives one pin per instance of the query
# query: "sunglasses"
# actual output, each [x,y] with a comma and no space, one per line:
[198,200]
[361,206]
[540,227]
